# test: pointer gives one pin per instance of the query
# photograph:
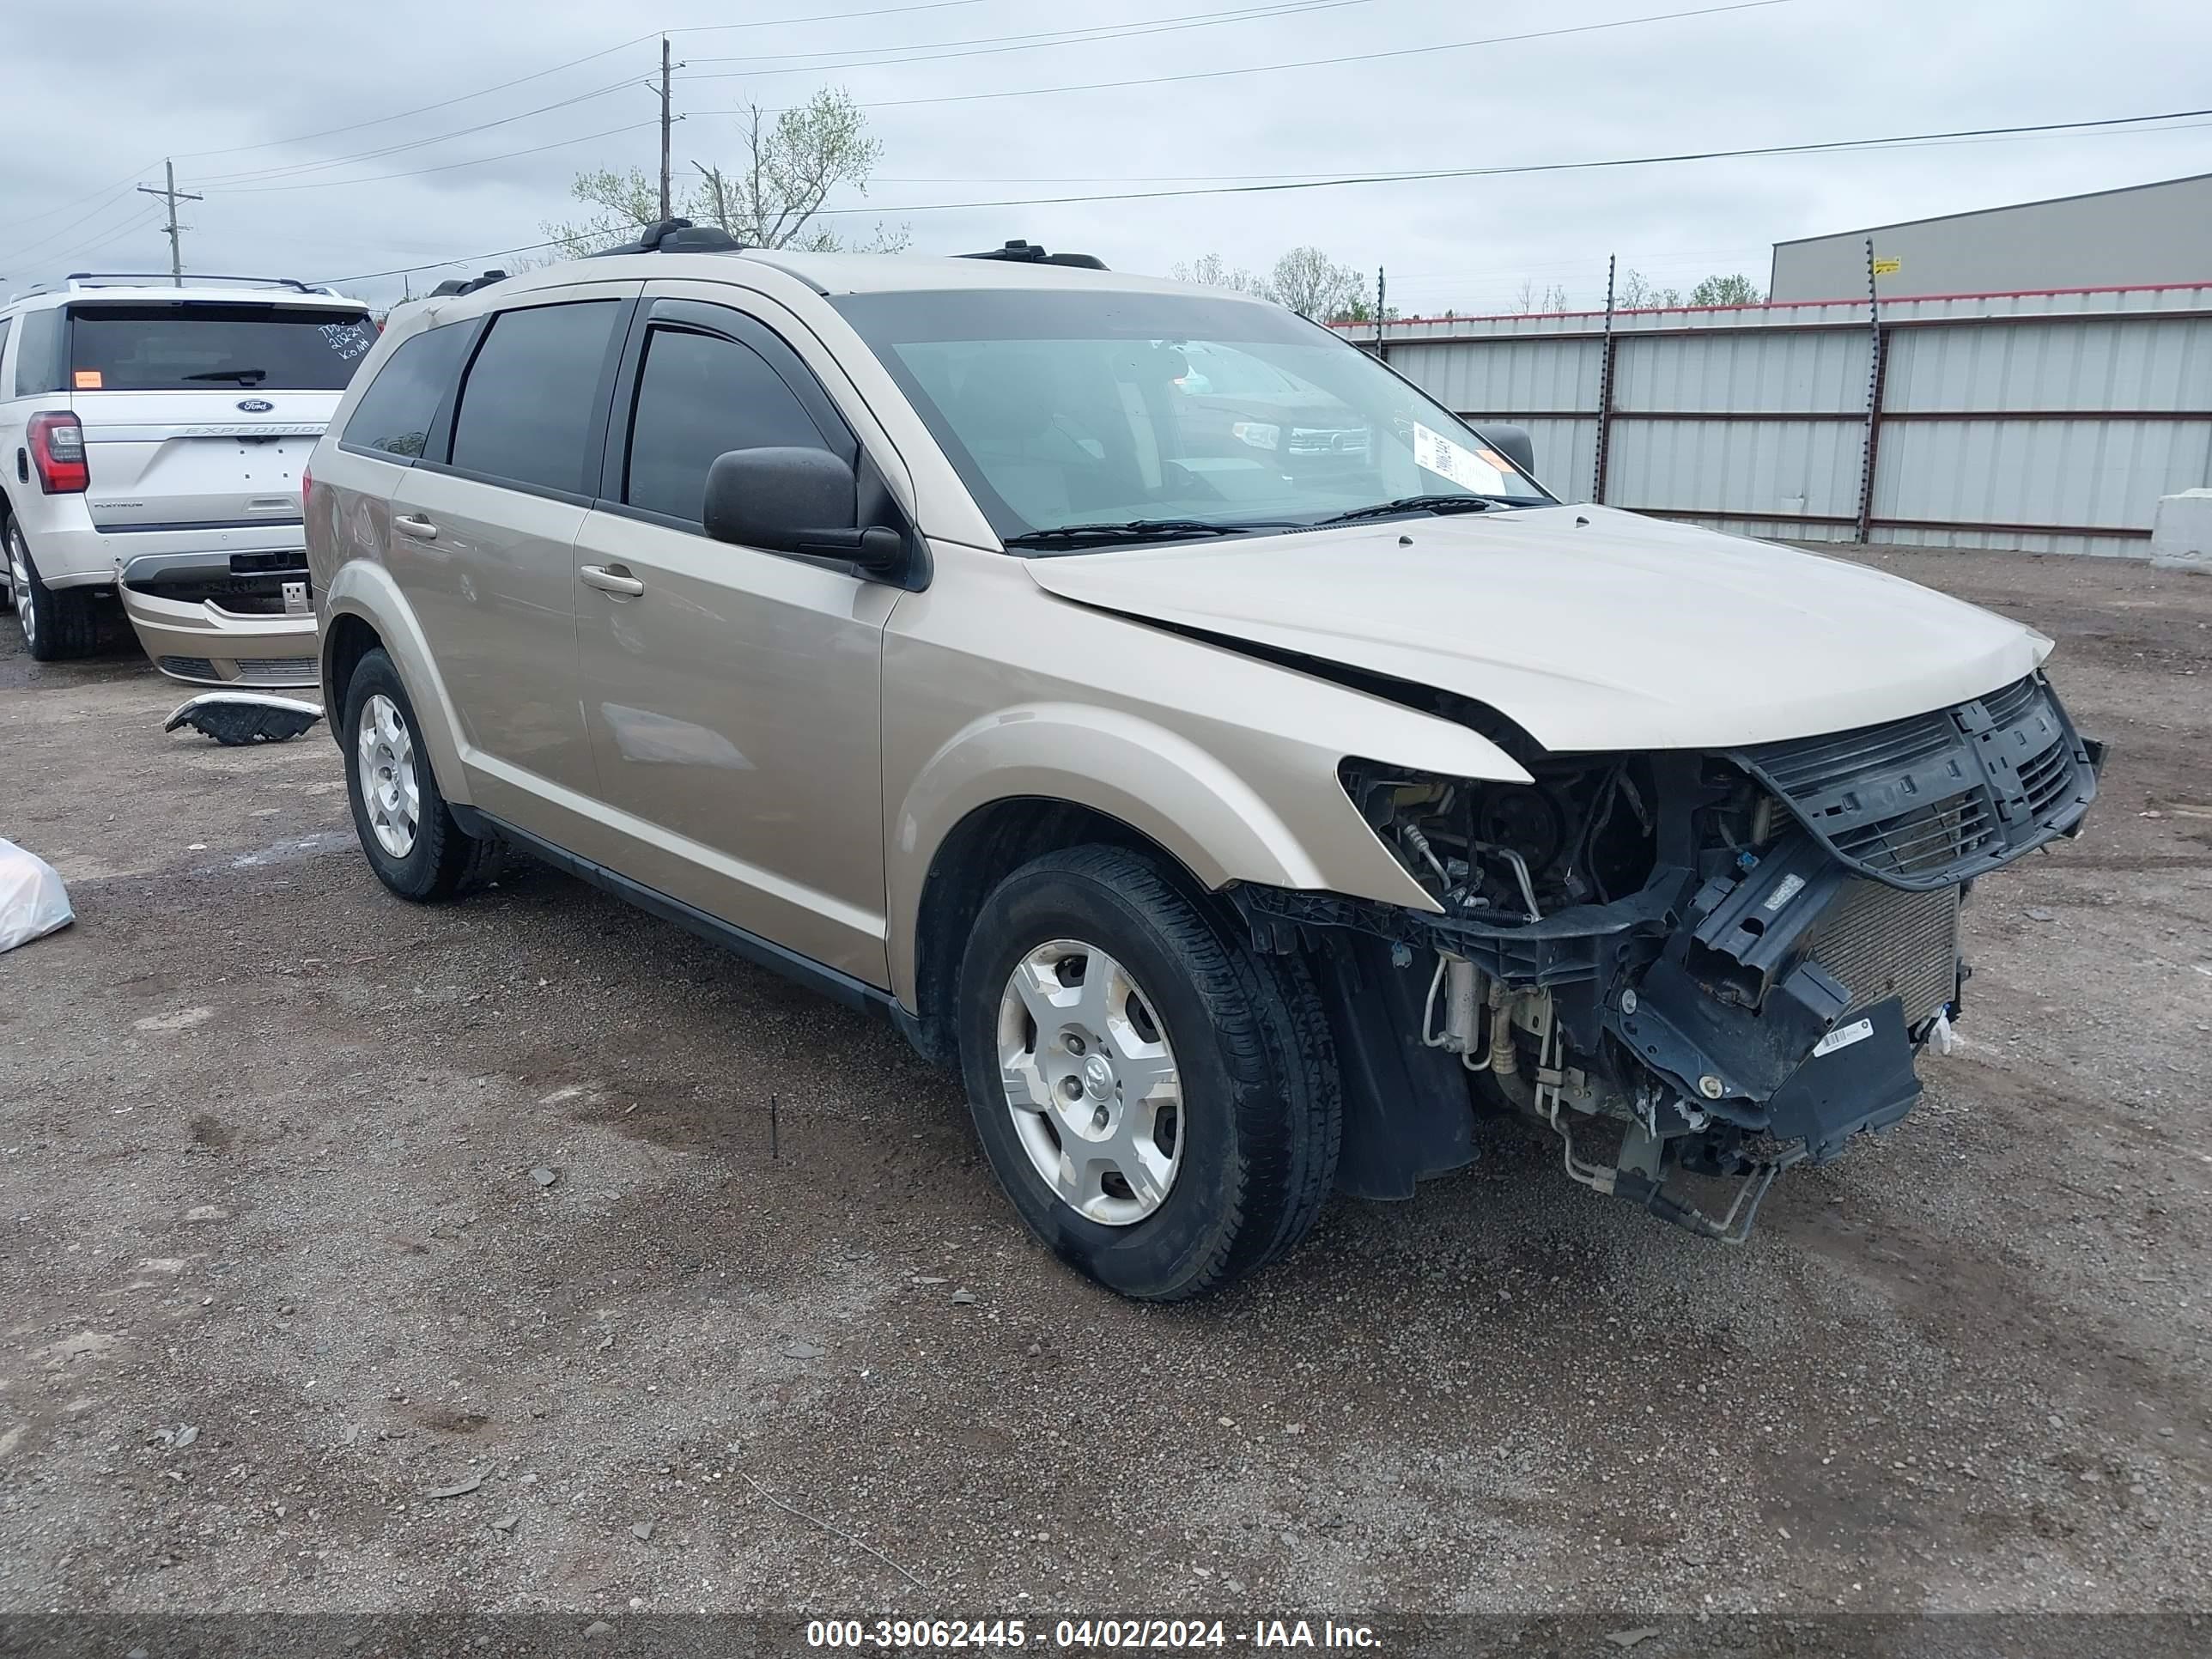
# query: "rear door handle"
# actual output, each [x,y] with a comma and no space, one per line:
[617,581]
[420,529]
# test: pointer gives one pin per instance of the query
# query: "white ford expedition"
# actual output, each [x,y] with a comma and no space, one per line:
[152,438]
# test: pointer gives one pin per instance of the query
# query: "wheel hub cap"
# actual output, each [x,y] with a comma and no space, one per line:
[1091,1082]
[386,751]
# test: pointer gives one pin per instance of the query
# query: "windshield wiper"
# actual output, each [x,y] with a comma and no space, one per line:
[1132,530]
[243,376]
[1420,504]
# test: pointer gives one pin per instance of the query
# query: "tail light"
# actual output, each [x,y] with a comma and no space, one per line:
[307,489]
[57,445]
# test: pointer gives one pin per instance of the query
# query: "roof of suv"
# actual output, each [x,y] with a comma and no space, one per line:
[156,291]
[848,273]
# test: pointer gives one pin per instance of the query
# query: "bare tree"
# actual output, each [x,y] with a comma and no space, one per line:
[1309,283]
[1211,271]
[771,196]
[1530,300]
[1635,293]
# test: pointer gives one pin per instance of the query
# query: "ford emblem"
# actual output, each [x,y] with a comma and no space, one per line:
[255,405]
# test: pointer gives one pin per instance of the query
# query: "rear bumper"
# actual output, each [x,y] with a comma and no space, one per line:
[70,551]
[198,641]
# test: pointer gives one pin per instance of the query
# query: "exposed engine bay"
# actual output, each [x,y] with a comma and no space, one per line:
[1717,962]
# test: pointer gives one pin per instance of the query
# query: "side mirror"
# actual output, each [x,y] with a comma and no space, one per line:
[794,500]
[1512,442]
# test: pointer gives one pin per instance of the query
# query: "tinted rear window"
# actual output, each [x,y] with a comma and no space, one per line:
[531,397]
[394,415]
[204,347]
[39,353]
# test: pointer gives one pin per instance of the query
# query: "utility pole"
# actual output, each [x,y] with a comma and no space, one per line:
[665,111]
[1381,288]
[174,196]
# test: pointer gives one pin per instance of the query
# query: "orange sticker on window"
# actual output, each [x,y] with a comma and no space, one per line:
[86,379]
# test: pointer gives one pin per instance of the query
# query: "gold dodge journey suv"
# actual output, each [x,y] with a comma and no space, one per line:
[1236,765]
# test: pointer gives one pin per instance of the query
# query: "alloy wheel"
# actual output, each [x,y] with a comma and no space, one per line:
[1091,1082]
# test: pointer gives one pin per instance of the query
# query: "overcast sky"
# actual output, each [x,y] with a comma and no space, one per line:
[233,91]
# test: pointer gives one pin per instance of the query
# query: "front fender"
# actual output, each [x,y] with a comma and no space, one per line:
[363,589]
[1205,813]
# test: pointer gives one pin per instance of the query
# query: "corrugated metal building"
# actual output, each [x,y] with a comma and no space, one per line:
[2049,422]
[2142,235]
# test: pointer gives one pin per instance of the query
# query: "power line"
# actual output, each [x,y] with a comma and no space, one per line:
[1309,63]
[143,218]
[814,17]
[930,51]
[1891,142]
[294,168]
[121,184]
[573,63]
[448,167]
[1902,141]
[107,206]
[456,259]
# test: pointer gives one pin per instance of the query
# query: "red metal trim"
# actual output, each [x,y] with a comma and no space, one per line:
[1786,305]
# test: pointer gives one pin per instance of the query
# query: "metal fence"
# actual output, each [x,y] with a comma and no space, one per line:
[2051,421]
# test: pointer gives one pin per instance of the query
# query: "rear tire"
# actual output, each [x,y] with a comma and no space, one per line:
[1236,1172]
[407,832]
[58,625]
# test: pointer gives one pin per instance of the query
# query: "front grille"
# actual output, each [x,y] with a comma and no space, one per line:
[1879,943]
[186,668]
[1930,801]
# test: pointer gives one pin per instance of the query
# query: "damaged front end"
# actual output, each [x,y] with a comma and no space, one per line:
[1729,960]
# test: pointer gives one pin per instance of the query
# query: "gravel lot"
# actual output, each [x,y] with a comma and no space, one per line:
[282,1262]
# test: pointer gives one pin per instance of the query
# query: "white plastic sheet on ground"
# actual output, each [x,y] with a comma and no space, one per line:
[32,901]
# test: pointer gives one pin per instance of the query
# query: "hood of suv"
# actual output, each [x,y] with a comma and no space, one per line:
[1591,628]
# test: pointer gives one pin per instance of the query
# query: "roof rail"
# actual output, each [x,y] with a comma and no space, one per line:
[675,236]
[466,284]
[1028,253]
[83,279]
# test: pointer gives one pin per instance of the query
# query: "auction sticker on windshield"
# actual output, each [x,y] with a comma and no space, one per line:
[1477,470]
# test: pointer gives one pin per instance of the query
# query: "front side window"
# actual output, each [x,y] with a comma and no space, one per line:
[699,396]
[531,400]
[1068,409]
[394,415]
[214,347]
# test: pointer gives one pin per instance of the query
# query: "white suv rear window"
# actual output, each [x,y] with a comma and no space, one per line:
[211,347]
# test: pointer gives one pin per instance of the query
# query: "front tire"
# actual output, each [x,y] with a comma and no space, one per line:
[1160,1104]
[58,625]
[407,832]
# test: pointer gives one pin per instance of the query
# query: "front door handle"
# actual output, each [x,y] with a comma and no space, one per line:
[420,529]
[616,580]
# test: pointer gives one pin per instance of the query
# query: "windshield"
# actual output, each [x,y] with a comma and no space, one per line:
[215,346]
[1168,414]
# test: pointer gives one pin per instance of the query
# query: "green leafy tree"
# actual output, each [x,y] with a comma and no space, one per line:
[770,195]
[1726,291]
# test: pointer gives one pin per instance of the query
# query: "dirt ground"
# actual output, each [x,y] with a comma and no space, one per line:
[283,1264]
